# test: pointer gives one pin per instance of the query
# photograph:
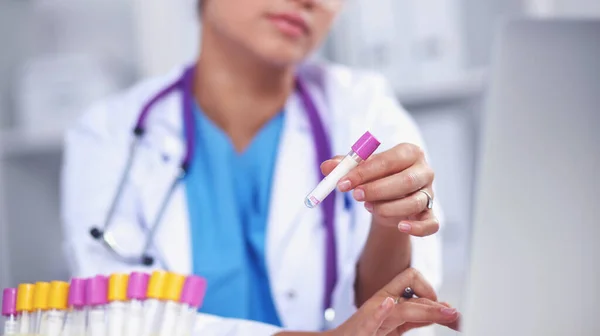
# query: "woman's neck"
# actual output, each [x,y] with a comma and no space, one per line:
[237,90]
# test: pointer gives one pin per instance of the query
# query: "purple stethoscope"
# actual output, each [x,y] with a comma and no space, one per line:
[321,142]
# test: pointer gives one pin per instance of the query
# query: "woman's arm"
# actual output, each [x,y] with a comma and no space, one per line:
[389,184]
[387,252]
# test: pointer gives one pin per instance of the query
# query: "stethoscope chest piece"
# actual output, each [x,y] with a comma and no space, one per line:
[144,259]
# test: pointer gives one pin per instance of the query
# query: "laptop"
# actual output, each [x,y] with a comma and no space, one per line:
[535,245]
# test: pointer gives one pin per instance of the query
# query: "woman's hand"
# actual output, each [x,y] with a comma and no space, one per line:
[388,313]
[390,184]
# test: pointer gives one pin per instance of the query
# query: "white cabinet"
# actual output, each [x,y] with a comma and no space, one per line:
[548,8]
[412,42]
[40,94]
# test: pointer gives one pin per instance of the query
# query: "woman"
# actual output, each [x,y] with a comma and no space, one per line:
[225,150]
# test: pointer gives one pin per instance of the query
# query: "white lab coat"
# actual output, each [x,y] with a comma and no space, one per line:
[349,102]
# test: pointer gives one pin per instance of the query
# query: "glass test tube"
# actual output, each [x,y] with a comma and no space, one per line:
[117,306]
[96,299]
[154,306]
[361,150]
[171,296]
[54,318]
[25,307]
[192,296]
[137,288]
[40,305]
[75,321]
[9,311]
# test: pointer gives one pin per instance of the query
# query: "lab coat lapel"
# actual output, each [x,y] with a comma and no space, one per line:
[294,242]
[294,175]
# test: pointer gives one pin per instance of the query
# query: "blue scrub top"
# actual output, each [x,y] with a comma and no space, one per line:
[228,196]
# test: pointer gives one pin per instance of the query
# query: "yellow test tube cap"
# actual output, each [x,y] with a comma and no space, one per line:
[25,297]
[117,287]
[174,286]
[40,295]
[156,285]
[58,295]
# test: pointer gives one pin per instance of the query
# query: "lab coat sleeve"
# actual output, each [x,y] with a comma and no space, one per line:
[392,125]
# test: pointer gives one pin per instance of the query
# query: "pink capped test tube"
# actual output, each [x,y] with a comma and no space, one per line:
[75,322]
[96,295]
[361,150]
[137,288]
[191,299]
[9,311]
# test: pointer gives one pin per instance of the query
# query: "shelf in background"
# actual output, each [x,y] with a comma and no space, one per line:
[16,143]
[463,89]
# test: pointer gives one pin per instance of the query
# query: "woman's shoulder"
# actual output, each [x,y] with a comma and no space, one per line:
[352,90]
[335,76]
[358,100]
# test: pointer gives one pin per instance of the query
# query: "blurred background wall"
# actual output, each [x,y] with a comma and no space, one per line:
[58,56]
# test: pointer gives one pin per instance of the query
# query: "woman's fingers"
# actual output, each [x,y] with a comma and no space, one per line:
[403,207]
[425,225]
[406,327]
[381,165]
[452,324]
[395,186]
[328,166]
[371,325]
[413,279]
[423,313]
[417,313]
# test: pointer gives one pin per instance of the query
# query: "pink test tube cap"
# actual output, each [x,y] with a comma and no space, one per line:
[96,291]
[193,291]
[365,146]
[137,286]
[9,301]
[76,293]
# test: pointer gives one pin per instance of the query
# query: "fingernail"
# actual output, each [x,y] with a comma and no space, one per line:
[384,309]
[344,185]
[404,227]
[448,311]
[369,207]
[387,302]
[359,195]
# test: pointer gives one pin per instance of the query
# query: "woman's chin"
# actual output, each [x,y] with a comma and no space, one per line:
[283,54]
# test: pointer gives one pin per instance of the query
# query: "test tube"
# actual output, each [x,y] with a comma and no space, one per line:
[117,306]
[54,318]
[361,150]
[192,296]
[75,321]
[40,305]
[153,307]
[96,290]
[25,307]
[9,311]
[136,293]
[171,296]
